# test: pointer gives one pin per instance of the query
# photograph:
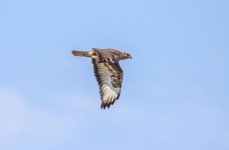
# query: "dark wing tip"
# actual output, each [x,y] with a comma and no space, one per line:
[106,105]
[103,106]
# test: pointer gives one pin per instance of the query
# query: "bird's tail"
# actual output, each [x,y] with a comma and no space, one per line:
[81,53]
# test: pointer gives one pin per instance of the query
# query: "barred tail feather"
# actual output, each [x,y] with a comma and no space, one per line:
[81,53]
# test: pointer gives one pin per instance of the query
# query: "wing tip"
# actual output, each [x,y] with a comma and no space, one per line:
[106,105]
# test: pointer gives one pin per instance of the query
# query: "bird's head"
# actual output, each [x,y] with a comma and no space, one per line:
[125,55]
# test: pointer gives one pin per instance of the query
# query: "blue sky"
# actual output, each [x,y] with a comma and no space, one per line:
[175,91]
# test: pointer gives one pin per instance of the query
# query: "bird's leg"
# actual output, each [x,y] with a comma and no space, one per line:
[93,55]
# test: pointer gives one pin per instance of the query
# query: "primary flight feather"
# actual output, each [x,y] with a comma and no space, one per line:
[107,71]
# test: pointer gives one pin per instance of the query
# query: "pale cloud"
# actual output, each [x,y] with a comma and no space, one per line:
[12,114]
[19,118]
[78,116]
[66,115]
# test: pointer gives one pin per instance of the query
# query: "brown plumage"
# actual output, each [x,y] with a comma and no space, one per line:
[107,71]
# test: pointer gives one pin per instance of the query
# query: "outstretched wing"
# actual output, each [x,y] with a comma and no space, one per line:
[109,76]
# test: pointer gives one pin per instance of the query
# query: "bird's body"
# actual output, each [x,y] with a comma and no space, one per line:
[107,71]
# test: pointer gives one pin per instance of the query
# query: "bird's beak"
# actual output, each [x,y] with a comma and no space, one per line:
[130,56]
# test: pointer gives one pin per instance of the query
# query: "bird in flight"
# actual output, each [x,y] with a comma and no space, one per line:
[107,71]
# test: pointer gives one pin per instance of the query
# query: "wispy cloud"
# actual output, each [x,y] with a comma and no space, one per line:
[19,118]
[67,115]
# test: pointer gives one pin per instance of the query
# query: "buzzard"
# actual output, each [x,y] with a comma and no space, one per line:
[107,72]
